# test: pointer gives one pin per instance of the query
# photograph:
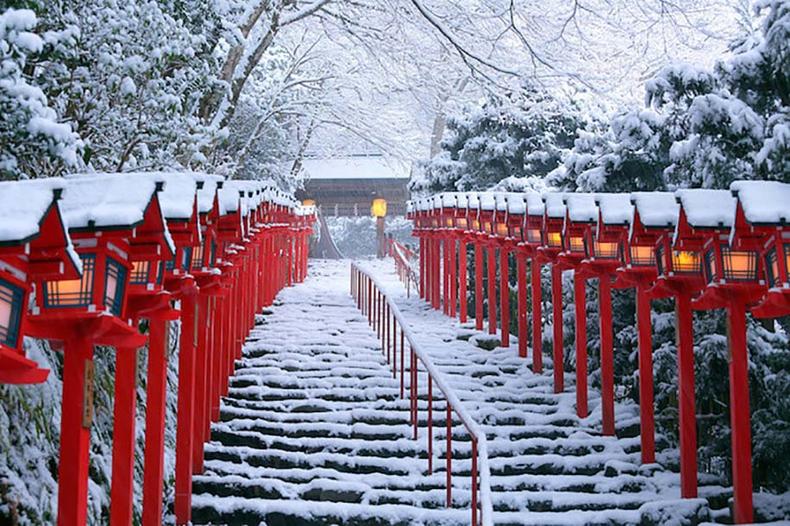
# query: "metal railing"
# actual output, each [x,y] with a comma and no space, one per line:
[406,272]
[385,317]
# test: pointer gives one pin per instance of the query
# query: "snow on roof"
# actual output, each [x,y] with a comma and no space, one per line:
[448,199]
[23,205]
[487,201]
[656,209]
[616,209]
[473,200]
[229,198]
[764,201]
[708,208]
[208,192]
[355,168]
[106,200]
[516,203]
[177,198]
[581,207]
[535,206]
[462,200]
[501,201]
[554,204]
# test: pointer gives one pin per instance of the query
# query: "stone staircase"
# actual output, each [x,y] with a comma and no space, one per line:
[314,432]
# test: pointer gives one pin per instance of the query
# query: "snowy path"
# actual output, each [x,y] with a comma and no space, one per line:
[314,432]
[544,458]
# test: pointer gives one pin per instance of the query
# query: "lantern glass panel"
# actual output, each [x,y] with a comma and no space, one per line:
[460,222]
[787,261]
[501,229]
[642,256]
[72,292]
[487,227]
[554,239]
[772,268]
[475,224]
[739,265]
[534,235]
[686,262]
[660,261]
[448,222]
[186,258]
[197,258]
[141,273]
[212,259]
[114,286]
[576,244]
[515,231]
[11,298]
[606,249]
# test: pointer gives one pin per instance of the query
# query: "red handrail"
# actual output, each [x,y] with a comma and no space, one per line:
[406,272]
[383,314]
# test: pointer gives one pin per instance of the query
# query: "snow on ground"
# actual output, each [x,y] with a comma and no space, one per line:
[314,430]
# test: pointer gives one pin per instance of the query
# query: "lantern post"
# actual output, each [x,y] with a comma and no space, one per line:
[553,222]
[679,274]
[464,234]
[473,205]
[486,217]
[378,209]
[103,214]
[581,216]
[532,240]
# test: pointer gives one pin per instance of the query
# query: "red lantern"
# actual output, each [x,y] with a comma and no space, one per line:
[34,245]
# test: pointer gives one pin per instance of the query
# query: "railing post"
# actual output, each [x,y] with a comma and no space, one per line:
[402,365]
[491,289]
[607,354]
[449,455]
[504,296]
[474,481]
[414,392]
[395,346]
[430,424]
[646,415]
[478,286]
[453,277]
[556,304]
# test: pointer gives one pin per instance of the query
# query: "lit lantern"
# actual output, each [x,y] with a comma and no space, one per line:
[762,225]
[486,216]
[35,248]
[580,218]
[378,207]
[734,281]
[553,223]
[311,202]
[105,215]
[533,227]
[517,210]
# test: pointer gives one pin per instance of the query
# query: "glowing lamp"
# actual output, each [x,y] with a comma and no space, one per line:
[476,224]
[379,207]
[576,244]
[90,290]
[461,223]
[642,256]
[733,265]
[534,235]
[448,222]
[606,249]
[11,305]
[554,239]
[308,202]
[502,230]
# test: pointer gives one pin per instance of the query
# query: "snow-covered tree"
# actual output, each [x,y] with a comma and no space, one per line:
[33,141]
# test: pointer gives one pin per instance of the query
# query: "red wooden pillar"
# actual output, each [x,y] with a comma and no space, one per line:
[491,289]
[580,309]
[739,413]
[75,430]
[156,392]
[462,281]
[607,354]
[478,286]
[201,384]
[123,437]
[445,250]
[437,269]
[521,270]
[423,258]
[646,416]
[686,398]
[537,318]
[504,296]
[556,304]
[453,277]
[185,417]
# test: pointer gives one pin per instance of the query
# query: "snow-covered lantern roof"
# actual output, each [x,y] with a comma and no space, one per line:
[610,237]
[34,245]
[553,222]
[536,209]
[112,218]
[762,224]
[229,229]
[581,213]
